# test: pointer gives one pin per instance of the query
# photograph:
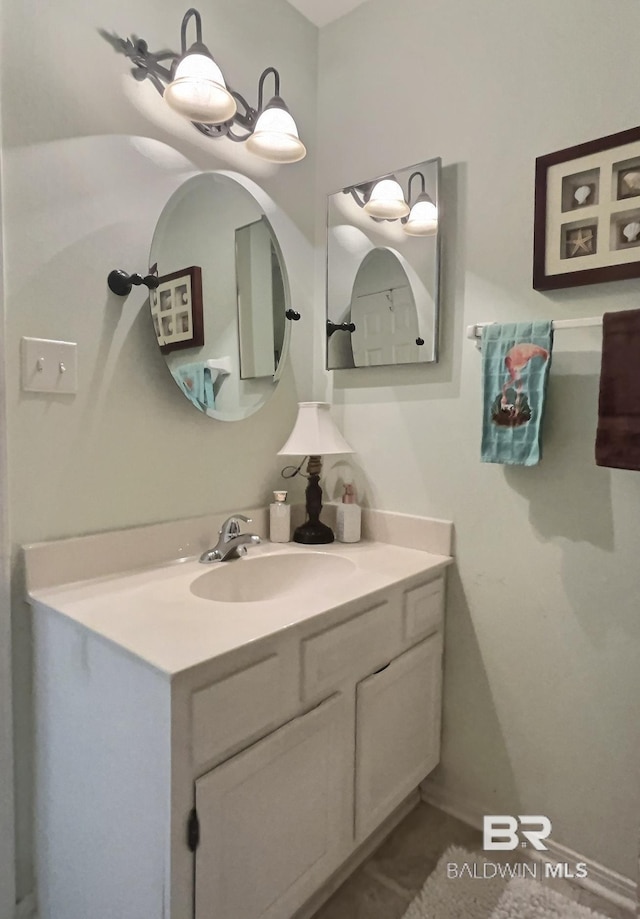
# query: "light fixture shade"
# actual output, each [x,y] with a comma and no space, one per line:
[386,201]
[275,137]
[198,90]
[423,219]
[314,433]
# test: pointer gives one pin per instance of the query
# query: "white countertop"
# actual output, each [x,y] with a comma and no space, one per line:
[152,613]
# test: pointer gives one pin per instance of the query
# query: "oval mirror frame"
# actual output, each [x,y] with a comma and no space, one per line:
[219,312]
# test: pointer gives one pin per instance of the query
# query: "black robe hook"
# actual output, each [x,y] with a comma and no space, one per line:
[121,283]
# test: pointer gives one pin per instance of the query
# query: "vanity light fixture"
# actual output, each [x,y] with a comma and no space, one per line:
[314,434]
[385,200]
[198,90]
[275,135]
[193,85]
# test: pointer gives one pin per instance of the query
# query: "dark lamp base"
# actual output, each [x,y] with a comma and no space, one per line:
[313,533]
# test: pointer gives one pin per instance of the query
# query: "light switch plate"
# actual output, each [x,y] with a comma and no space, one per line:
[49,366]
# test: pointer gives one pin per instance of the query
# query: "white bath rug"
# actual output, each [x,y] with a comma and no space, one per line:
[469,890]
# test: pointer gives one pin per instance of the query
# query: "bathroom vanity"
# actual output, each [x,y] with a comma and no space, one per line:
[204,751]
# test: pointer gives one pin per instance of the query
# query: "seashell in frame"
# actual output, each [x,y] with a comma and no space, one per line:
[631,231]
[582,193]
[631,181]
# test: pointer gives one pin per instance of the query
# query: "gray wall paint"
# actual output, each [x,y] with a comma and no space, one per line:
[90,159]
[542,694]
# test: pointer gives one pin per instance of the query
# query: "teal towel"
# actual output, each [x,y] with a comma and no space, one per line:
[195,382]
[516,357]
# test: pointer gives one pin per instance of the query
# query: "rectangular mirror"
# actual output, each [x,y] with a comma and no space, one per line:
[261,301]
[383,270]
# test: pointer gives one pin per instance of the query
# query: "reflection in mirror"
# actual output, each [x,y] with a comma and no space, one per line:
[383,281]
[214,224]
[383,310]
[261,300]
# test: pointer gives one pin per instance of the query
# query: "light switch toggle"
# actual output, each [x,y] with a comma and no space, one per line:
[49,366]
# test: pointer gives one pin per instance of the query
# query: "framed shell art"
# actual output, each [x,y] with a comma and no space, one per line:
[176,310]
[587,213]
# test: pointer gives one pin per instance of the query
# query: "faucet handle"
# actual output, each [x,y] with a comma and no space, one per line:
[231,526]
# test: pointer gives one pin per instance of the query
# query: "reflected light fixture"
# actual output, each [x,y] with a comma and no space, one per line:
[193,85]
[384,200]
[423,217]
[314,434]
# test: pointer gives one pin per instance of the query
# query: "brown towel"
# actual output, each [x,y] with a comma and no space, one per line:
[618,437]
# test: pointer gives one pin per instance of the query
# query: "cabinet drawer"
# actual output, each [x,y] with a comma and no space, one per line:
[350,649]
[237,708]
[423,609]
[398,713]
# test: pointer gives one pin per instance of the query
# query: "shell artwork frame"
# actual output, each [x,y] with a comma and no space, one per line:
[176,310]
[587,213]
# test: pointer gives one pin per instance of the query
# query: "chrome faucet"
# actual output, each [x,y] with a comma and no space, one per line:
[232,543]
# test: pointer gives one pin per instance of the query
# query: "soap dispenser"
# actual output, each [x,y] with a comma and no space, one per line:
[348,516]
[279,518]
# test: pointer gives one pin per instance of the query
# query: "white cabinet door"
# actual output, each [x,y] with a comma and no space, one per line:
[397,731]
[276,820]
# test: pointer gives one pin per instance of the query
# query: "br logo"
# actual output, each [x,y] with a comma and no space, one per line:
[502,832]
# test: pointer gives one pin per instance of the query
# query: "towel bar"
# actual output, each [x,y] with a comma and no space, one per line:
[474,332]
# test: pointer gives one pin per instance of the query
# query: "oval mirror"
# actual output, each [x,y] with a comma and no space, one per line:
[219,309]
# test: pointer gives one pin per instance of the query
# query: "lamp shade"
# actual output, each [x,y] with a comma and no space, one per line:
[386,200]
[423,219]
[198,90]
[275,137]
[314,433]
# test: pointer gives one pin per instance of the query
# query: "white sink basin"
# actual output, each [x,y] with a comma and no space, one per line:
[266,577]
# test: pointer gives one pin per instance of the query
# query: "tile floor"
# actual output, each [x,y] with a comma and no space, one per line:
[385,884]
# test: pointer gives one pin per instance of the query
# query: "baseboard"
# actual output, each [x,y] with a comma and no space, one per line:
[606,883]
[461,808]
[26,908]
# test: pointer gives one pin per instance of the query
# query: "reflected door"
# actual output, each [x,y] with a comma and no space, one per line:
[386,328]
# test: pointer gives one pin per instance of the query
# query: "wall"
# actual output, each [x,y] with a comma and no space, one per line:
[90,158]
[542,695]
[7,842]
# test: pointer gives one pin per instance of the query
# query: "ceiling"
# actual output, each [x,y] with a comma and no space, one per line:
[320,12]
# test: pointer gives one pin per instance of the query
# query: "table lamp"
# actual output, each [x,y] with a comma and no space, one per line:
[314,435]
